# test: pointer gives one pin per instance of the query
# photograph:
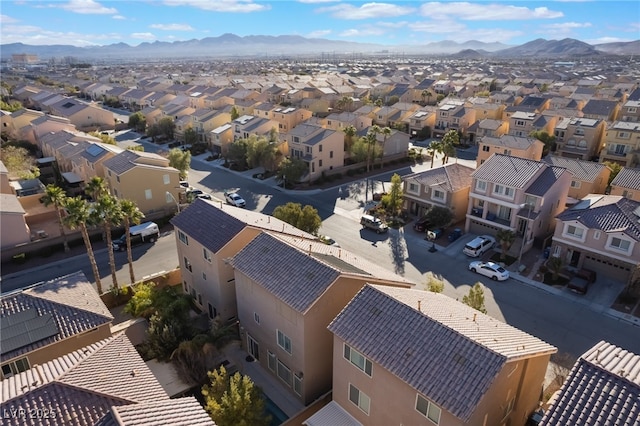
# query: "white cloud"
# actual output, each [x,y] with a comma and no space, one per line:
[567,26]
[87,7]
[440,27]
[485,12]
[119,17]
[318,33]
[456,31]
[237,6]
[143,36]
[317,1]
[366,10]
[362,32]
[172,27]
[5,19]
[34,35]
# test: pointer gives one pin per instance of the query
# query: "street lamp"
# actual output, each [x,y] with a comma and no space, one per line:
[526,231]
[174,200]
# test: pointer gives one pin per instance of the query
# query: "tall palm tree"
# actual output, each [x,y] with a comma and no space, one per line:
[130,214]
[435,147]
[386,132]
[107,212]
[55,196]
[349,132]
[449,142]
[505,237]
[96,187]
[372,139]
[79,216]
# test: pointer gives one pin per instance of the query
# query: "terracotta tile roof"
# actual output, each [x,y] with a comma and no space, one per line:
[603,388]
[70,301]
[175,412]
[82,386]
[608,213]
[627,178]
[507,170]
[444,349]
[586,171]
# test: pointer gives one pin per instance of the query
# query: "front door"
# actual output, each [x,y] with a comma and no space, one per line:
[253,348]
[522,227]
[575,258]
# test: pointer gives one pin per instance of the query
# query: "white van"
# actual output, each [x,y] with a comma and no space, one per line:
[145,232]
[479,245]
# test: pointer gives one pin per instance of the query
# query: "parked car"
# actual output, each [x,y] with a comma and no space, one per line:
[421,224]
[581,280]
[194,193]
[145,232]
[479,245]
[204,196]
[489,269]
[373,223]
[328,240]
[234,199]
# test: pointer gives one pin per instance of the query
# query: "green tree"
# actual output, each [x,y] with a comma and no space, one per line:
[548,140]
[56,197]
[131,214]
[435,147]
[349,133]
[306,219]
[554,265]
[450,140]
[153,131]
[167,127]
[393,199]
[79,216]
[425,94]
[19,162]
[107,212]
[475,298]
[505,237]
[96,188]
[345,103]
[615,169]
[234,401]
[104,138]
[190,136]
[137,122]
[234,113]
[261,152]
[237,153]
[11,106]
[291,170]
[433,284]
[141,303]
[439,217]
[372,142]
[393,100]
[180,160]
[359,150]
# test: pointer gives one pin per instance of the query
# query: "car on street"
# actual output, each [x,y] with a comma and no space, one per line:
[581,280]
[373,223]
[194,193]
[489,269]
[421,224]
[234,199]
[204,196]
[328,240]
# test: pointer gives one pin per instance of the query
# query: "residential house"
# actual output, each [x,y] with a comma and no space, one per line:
[443,87]
[247,125]
[487,127]
[289,290]
[622,144]
[588,177]
[13,122]
[406,356]
[523,123]
[340,120]
[220,138]
[421,119]
[33,131]
[487,110]
[321,149]
[64,146]
[144,178]
[136,99]
[288,118]
[49,320]
[13,225]
[82,115]
[450,112]
[208,235]
[89,163]
[446,186]
[601,109]
[601,233]
[630,111]
[517,194]
[603,387]
[523,147]
[627,183]
[580,138]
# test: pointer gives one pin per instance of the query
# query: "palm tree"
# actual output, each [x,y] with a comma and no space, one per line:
[349,132]
[372,139]
[79,216]
[425,94]
[449,142]
[108,213]
[130,214]
[54,195]
[435,147]
[96,187]
[505,237]
[386,132]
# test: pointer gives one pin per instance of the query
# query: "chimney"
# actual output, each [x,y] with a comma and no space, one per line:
[419,308]
[268,219]
[474,317]
[339,253]
[309,249]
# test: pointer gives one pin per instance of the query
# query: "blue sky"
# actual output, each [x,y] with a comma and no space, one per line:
[95,22]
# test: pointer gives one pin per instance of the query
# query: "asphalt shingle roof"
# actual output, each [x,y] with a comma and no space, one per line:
[587,171]
[128,159]
[444,349]
[627,178]
[603,388]
[71,301]
[507,170]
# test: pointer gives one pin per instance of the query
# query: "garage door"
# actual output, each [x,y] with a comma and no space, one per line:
[607,267]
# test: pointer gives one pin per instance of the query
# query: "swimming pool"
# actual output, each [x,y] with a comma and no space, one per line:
[277,415]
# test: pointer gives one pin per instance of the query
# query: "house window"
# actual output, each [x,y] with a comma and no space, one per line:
[503,190]
[619,149]
[619,244]
[357,359]
[359,398]
[624,135]
[165,179]
[436,194]
[168,198]
[428,409]
[252,347]
[284,373]
[504,213]
[206,254]
[573,231]
[212,311]
[575,184]
[187,264]
[320,148]
[313,167]
[414,187]
[481,186]
[632,110]
[507,152]
[296,139]
[15,367]
[204,276]
[596,235]
[271,361]
[147,194]
[330,154]
[297,384]
[308,149]
[579,132]
[256,318]
[485,148]
[118,179]
[183,237]
[319,163]
[519,123]
[284,341]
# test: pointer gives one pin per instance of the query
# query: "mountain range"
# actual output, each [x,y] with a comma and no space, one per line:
[231,45]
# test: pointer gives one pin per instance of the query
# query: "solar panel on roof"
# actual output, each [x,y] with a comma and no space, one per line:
[24,328]
[94,150]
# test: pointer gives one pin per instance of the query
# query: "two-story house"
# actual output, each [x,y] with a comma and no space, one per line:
[517,194]
[580,138]
[247,125]
[82,115]
[144,178]
[322,149]
[523,123]
[446,186]
[601,109]
[289,290]
[517,146]
[588,177]
[601,233]
[488,127]
[405,356]
[627,183]
[342,120]
[89,163]
[288,118]
[630,111]
[420,119]
[445,116]
[622,144]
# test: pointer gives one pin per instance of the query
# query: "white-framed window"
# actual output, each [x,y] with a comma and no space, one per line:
[271,361]
[284,341]
[485,148]
[297,384]
[15,367]
[166,179]
[187,265]
[573,231]
[206,254]
[256,318]
[414,188]
[168,198]
[357,359]
[438,195]
[428,409]
[359,399]
[507,152]
[147,194]
[619,244]
[183,237]
[252,347]
[284,373]
[624,135]
[503,190]
[481,185]
[596,235]
[520,123]
[579,132]
[504,212]
[576,184]
[632,109]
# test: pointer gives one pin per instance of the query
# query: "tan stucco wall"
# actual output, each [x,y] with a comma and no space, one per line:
[134,182]
[13,229]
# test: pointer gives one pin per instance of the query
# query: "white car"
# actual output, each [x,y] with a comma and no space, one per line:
[234,199]
[329,241]
[489,269]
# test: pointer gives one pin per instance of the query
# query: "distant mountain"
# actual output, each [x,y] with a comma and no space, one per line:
[469,54]
[231,45]
[567,47]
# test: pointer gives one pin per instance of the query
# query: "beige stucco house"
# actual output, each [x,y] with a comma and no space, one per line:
[580,138]
[321,149]
[523,147]
[13,225]
[411,357]
[627,183]
[587,177]
[622,144]
[82,115]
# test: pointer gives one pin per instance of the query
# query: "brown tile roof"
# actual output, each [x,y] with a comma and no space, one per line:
[627,178]
[70,301]
[603,388]
[587,171]
[508,170]
[444,349]
[185,411]
[451,177]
